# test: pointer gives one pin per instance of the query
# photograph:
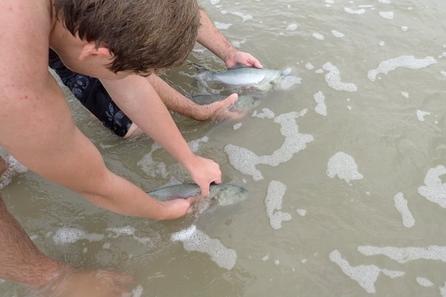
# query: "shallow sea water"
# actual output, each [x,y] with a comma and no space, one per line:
[344,170]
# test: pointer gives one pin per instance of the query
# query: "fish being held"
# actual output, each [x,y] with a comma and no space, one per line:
[262,79]
[223,194]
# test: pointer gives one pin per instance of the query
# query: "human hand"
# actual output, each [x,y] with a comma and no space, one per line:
[204,172]
[177,208]
[242,58]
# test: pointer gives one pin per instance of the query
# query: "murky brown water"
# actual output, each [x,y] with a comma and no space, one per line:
[322,184]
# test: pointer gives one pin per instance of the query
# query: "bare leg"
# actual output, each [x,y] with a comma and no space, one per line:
[22,262]
[175,101]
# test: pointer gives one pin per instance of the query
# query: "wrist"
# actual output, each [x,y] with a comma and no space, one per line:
[229,57]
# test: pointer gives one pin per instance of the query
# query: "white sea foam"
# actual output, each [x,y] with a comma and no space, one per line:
[237,126]
[195,144]
[302,212]
[333,79]
[337,34]
[14,167]
[222,26]
[365,275]
[244,16]
[421,114]
[246,161]
[344,167]
[406,254]
[273,202]
[402,61]
[265,113]
[214,2]
[405,94]
[67,235]
[387,14]
[320,108]
[128,231]
[137,292]
[403,209]
[318,36]
[151,167]
[434,189]
[354,11]
[292,27]
[309,66]
[424,282]
[196,240]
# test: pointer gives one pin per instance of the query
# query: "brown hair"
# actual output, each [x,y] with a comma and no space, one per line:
[141,34]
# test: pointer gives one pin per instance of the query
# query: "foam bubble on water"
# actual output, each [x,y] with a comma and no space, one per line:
[214,2]
[127,231]
[222,26]
[333,79]
[196,240]
[14,167]
[337,34]
[237,126]
[354,11]
[273,202]
[381,43]
[421,114]
[137,292]
[443,73]
[246,161]
[403,209]
[387,14]
[424,282]
[244,16]
[385,1]
[434,189]
[266,113]
[286,82]
[309,66]
[409,62]
[151,167]
[320,108]
[406,254]
[302,212]
[195,144]
[405,94]
[318,36]
[344,167]
[265,258]
[404,28]
[67,235]
[365,275]
[292,27]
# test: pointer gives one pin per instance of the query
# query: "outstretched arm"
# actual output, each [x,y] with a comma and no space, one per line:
[139,101]
[216,42]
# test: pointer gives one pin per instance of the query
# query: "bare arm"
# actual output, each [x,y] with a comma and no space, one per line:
[141,103]
[210,37]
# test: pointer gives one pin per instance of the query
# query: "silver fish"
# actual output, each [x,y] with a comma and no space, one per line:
[223,194]
[261,79]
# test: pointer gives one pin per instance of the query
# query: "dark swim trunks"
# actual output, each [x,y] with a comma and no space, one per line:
[90,92]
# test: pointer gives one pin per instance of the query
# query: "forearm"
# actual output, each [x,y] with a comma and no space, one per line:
[211,38]
[139,101]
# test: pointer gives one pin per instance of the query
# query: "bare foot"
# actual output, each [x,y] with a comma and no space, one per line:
[99,283]
[220,110]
